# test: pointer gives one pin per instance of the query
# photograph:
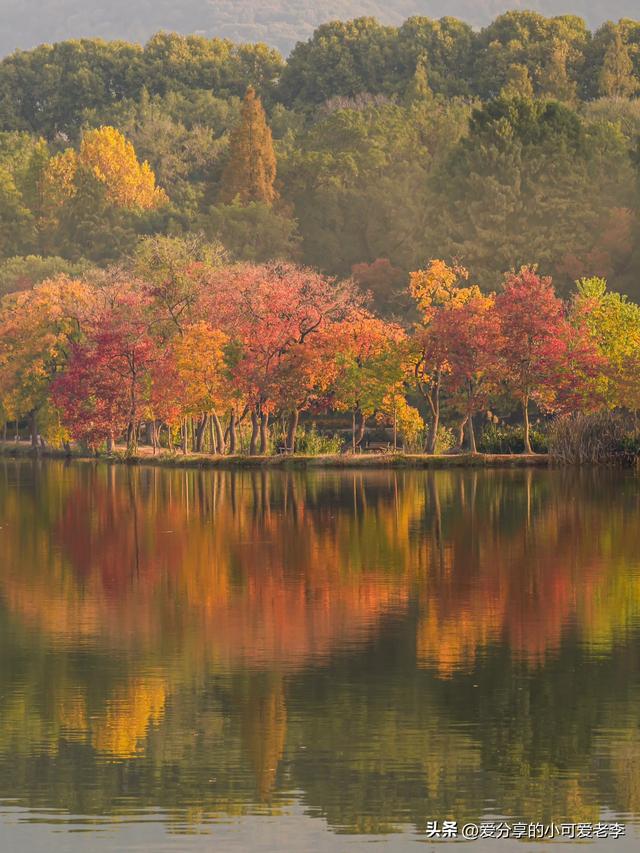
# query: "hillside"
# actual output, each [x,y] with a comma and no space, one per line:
[280,23]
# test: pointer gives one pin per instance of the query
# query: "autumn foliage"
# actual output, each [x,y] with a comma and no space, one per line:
[186,351]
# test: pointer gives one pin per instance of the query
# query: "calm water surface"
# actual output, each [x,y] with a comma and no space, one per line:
[287,661]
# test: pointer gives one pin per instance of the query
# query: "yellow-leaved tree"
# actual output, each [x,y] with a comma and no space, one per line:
[107,157]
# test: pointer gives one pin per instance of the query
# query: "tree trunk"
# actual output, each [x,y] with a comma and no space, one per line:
[395,429]
[527,428]
[110,443]
[219,434]
[253,444]
[33,427]
[471,435]
[199,432]
[264,433]
[360,428]
[233,437]
[433,432]
[132,438]
[434,403]
[212,437]
[185,436]
[463,424]
[292,430]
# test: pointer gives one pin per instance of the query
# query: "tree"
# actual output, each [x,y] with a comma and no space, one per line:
[253,232]
[614,324]
[107,386]
[250,173]
[370,366]
[23,273]
[199,355]
[529,183]
[554,77]
[383,282]
[108,158]
[616,76]
[38,328]
[471,343]
[272,310]
[534,329]
[435,289]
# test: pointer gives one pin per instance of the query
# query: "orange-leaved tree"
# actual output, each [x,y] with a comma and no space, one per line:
[250,173]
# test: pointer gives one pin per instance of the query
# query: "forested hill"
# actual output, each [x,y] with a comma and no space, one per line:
[513,144]
[279,23]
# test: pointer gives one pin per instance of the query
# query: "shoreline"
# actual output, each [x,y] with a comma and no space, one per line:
[288,462]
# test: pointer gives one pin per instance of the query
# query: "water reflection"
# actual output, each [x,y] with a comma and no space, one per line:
[384,648]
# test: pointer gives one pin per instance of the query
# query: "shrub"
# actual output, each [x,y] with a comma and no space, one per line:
[578,439]
[313,443]
[510,439]
[445,440]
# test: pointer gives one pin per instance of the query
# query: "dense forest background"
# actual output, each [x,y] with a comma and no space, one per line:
[516,144]
[279,23]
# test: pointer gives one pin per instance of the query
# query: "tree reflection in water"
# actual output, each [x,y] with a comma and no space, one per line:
[388,647]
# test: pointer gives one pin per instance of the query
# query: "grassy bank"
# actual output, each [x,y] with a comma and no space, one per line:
[342,461]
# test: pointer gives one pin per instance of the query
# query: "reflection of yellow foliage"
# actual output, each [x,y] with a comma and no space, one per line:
[72,716]
[452,643]
[119,730]
[264,726]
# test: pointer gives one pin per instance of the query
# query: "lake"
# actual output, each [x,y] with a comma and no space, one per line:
[199,660]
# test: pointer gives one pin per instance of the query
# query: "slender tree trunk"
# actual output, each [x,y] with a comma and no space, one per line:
[253,444]
[170,438]
[362,422]
[433,431]
[215,420]
[264,433]
[212,437]
[233,436]
[471,435]
[353,431]
[395,428]
[461,427]
[132,435]
[185,435]
[199,432]
[292,430]
[434,404]
[153,426]
[33,427]
[527,428]
[110,443]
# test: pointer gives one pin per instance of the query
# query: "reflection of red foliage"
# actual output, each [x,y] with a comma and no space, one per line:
[253,586]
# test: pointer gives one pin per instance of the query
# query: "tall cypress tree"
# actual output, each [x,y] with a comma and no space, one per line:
[250,173]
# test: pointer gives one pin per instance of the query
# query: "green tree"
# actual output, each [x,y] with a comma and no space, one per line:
[529,184]
[253,232]
[616,76]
